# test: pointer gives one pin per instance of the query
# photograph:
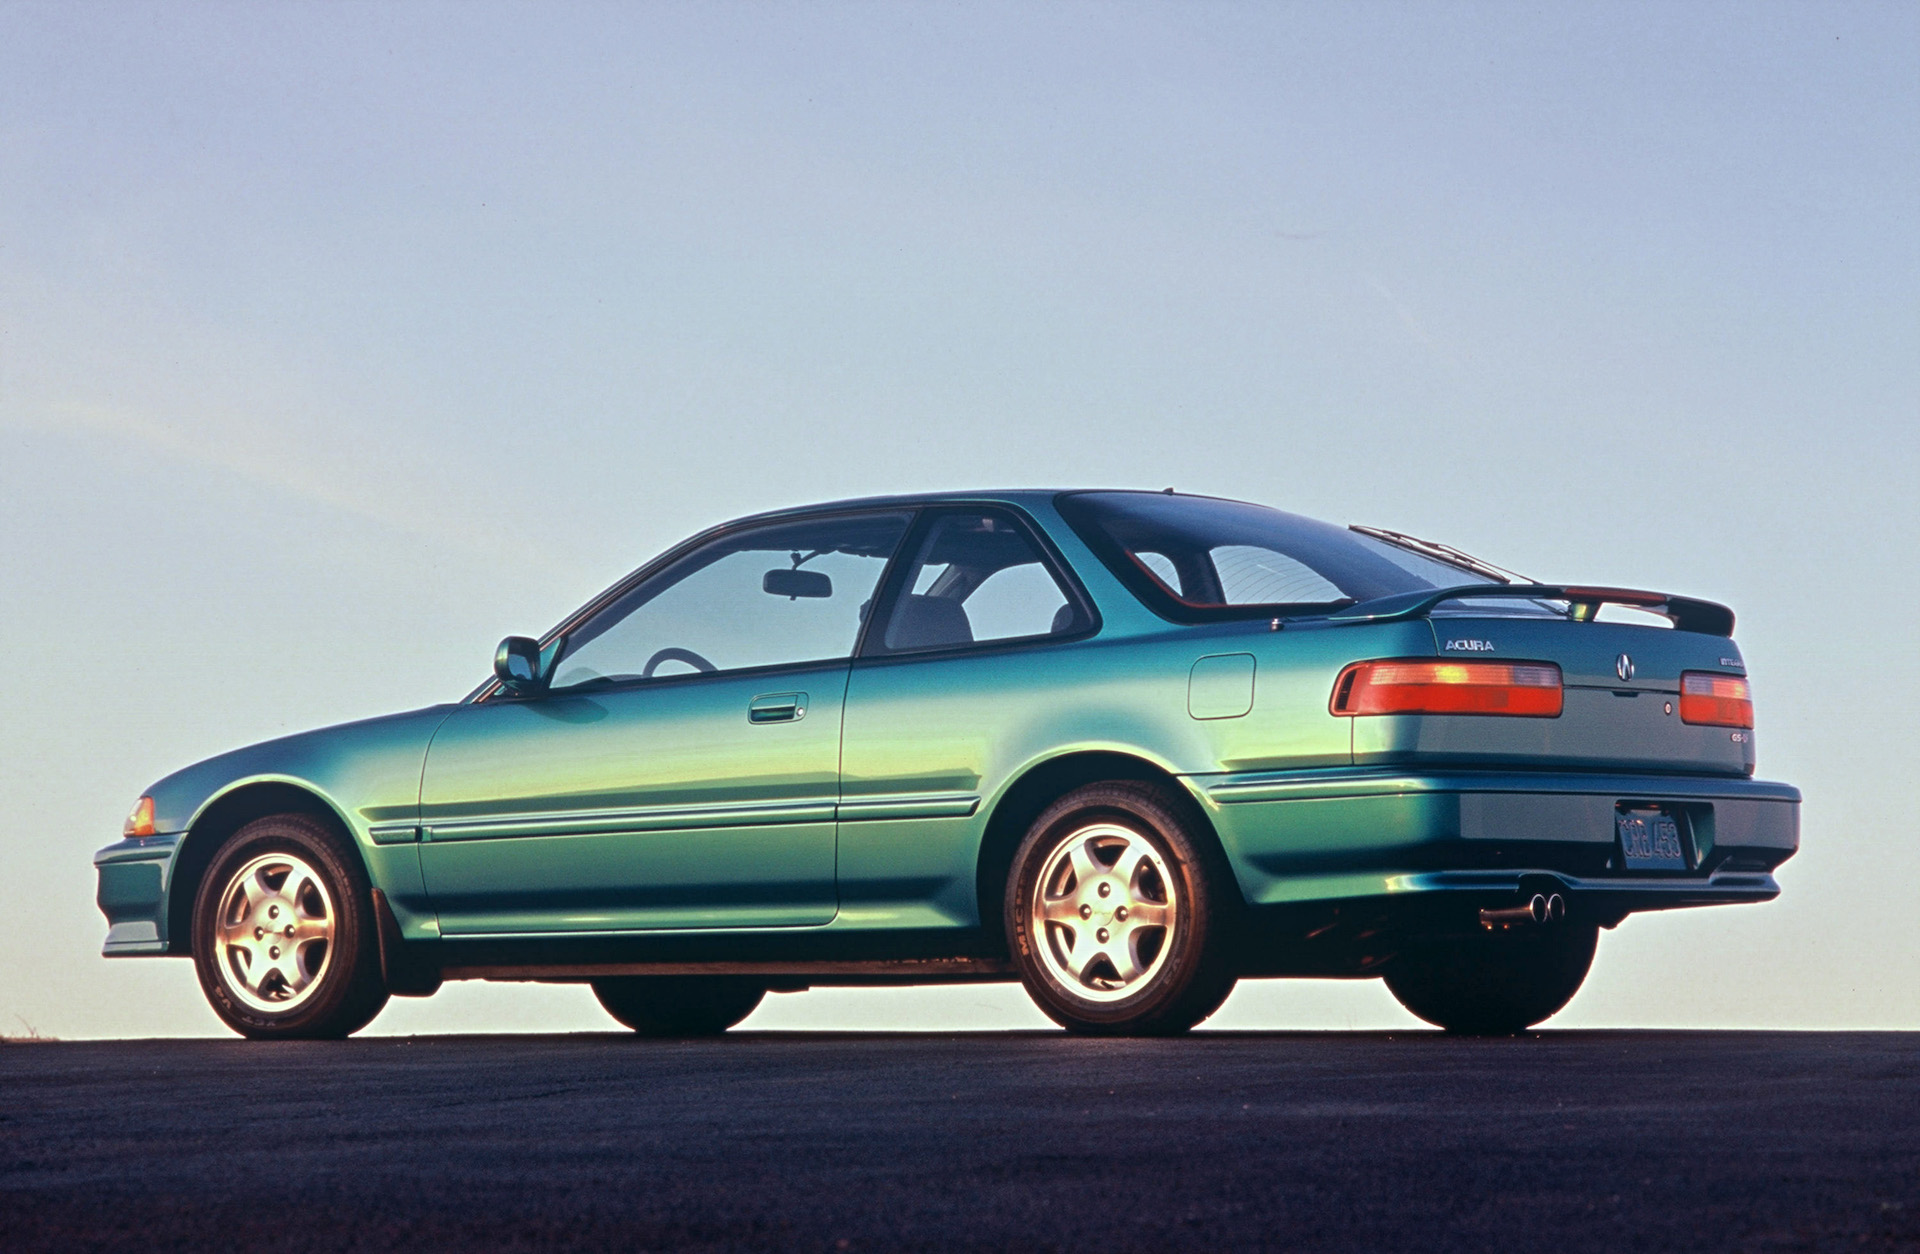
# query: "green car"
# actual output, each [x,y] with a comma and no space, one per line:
[1124,747]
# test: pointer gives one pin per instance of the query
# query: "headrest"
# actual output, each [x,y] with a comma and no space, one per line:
[929,622]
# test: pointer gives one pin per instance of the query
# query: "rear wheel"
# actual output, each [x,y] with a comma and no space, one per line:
[679,1005]
[284,937]
[1119,913]
[1494,983]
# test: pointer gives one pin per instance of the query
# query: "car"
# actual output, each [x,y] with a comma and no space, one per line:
[1125,747]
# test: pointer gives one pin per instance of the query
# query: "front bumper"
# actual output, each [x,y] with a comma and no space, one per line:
[135,874]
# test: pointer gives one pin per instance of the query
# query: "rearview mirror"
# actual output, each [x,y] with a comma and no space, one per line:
[797,583]
[517,664]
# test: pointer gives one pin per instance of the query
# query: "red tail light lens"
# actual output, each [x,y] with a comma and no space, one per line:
[1716,700]
[1424,686]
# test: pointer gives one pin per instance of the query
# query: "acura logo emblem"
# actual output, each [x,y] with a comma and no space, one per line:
[1623,667]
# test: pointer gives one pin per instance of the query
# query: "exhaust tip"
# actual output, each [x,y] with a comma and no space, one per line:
[1537,910]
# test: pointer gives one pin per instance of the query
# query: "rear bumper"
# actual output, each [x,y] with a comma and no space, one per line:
[1301,837]
[1606,899]
[134,876]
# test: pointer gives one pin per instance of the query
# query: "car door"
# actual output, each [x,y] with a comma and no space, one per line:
[951,692]
[682,768]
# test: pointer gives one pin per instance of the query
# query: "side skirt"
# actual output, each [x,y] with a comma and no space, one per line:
[848,974]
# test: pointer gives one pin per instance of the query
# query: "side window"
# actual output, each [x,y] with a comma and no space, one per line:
[976,578]
[1162,567]
[790,592]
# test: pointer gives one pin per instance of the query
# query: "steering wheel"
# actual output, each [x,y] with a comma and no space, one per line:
[671,654]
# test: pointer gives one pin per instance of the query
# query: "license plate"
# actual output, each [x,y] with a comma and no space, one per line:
[1650,840]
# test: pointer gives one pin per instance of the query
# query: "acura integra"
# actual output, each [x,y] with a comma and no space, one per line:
[1126,748]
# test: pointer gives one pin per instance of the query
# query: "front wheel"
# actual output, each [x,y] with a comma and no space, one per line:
[1119,913]
[284,937]
[678,1005]
[1494,983]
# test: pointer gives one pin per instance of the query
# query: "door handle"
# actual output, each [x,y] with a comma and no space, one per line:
[777,707]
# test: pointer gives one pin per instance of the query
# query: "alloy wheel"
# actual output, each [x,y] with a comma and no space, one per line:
[1104,912]
[275,932]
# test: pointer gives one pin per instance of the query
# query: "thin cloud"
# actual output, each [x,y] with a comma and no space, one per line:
[1418,332]
[251,452]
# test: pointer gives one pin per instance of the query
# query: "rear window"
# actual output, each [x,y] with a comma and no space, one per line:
[1195,557]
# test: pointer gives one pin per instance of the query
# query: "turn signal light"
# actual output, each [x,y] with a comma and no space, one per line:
[140,822]
[1424,686]
[1716,700]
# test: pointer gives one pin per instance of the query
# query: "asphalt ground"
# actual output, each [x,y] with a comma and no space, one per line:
[1221,1140]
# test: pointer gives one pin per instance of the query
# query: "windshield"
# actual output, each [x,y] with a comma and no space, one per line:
[1196,557]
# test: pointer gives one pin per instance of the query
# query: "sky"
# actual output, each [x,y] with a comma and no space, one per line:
[338,341]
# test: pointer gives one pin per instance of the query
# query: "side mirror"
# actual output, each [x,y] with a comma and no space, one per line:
[517,664]
[797,583]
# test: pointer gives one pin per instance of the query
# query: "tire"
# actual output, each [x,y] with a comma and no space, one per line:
[284,937]
[1494,983]
[679,1005]
[1121,913]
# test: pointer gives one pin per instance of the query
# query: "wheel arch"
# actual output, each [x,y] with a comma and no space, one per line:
[1038,787]
[221,818]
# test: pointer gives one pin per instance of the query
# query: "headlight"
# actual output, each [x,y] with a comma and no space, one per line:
[140,822]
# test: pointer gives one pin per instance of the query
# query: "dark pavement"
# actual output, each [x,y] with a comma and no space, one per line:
[1304,1141]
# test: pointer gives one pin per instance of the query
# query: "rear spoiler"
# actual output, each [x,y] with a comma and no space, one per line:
[1685,613]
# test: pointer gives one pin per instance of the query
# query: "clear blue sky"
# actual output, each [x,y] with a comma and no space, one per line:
[338,341]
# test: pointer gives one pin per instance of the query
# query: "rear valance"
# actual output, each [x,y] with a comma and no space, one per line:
[1685,613]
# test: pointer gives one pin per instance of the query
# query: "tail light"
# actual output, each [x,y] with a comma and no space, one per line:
[1716,700]
[1424,686]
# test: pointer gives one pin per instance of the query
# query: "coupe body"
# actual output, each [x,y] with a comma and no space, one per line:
[1124,747]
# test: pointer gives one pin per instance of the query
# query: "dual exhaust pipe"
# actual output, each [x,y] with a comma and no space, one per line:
[1537,911]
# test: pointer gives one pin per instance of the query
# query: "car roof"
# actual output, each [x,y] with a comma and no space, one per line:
[1024,497]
